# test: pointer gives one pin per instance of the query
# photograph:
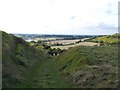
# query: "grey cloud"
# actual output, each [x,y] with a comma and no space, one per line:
[110,12]
[73,17]
[106,26]
[110,9]
[102,26]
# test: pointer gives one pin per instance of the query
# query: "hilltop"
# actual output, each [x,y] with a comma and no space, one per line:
[107,39]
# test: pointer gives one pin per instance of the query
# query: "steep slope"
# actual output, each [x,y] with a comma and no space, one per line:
[17,58]
[90,66]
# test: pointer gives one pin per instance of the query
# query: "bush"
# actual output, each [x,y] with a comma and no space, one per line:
[46,46]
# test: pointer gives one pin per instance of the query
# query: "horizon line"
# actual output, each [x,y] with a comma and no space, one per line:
[60,34]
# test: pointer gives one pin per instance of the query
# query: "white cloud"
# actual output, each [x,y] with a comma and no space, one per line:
[54,16]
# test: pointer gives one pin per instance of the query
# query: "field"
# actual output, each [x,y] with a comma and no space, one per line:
[61,42]
[74,45]
[64,42]
[42,39]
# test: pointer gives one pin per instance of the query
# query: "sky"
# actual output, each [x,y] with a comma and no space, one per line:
[79,17]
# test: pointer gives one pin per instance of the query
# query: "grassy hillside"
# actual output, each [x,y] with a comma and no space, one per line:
[44,75]
[17,58]
[28,66]
[90,66]
[107,40]
[25,66]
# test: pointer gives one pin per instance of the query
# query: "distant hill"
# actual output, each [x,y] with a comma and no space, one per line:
[17,58]
[107,40]
[90,66]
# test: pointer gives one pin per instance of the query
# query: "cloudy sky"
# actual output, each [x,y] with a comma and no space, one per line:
[59,16]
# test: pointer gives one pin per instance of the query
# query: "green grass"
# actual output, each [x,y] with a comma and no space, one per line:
[44,75]
[17,58]
[107,40]
[25,66]
[88,66]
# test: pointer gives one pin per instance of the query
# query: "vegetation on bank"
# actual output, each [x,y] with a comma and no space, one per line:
[87,67]
[107,40]
[47,48]
[17,58]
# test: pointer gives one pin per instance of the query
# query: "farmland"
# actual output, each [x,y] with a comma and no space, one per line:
[74,45]
[58,41]
[65,44]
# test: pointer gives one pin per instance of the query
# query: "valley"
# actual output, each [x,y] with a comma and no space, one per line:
[59,44]
[86,64]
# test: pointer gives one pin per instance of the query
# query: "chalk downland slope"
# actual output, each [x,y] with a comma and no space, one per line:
[24,66]
[17,58]
[88,67]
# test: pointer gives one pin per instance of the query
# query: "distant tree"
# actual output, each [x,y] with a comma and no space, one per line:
[58,50]
[78,41]
[55,51]
[46,46]
[96,41]
[50,51]
[33,42]
[100,41]
[39,41]
[58,44]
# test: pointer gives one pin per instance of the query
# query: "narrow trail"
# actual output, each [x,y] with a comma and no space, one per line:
[45,75]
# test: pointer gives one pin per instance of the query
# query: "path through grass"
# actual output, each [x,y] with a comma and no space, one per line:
[44,75]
